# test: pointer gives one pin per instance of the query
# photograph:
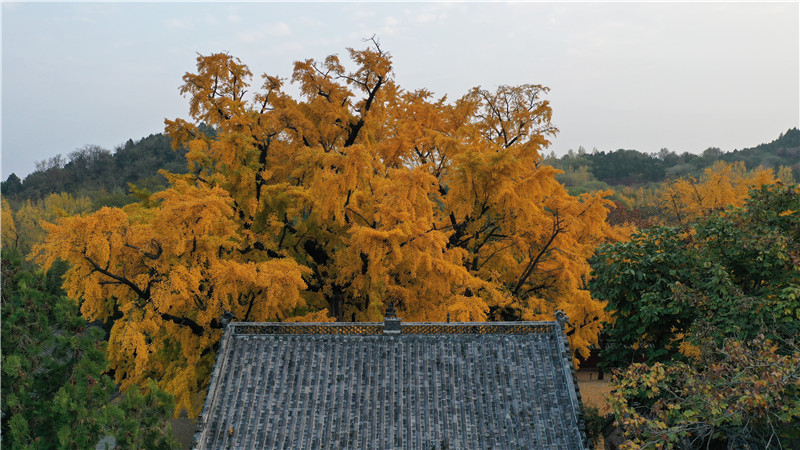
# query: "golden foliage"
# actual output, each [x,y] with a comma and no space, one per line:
[332,205]
[9,228]
[30,215]
[785,175]
[722,185]
[169,271]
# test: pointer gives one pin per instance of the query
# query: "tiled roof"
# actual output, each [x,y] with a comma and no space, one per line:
[479,385]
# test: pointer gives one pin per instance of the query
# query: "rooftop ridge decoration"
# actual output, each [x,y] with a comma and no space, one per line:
[392,323]
[377,328]
[391,312]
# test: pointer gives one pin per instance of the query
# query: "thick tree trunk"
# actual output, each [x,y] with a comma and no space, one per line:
[336,303]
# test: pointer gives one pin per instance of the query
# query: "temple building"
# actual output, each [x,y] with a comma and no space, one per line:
[393,385]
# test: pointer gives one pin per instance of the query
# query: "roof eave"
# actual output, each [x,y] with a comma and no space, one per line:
[210,399]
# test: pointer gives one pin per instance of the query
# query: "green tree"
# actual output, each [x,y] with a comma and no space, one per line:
[101,175]
[11,186]
[638,279]
[743,394]
[626,167]
[54,391]
[736,271]
[706,320]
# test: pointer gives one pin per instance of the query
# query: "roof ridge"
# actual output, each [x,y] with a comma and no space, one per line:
[378,328]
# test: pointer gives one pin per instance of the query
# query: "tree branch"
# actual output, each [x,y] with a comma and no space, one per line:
[194,326]
[154,243]
[535,261]
[144,295]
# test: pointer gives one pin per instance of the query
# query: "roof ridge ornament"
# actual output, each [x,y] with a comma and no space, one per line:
[391,323]
[562,318]
[226,319]
[390,311]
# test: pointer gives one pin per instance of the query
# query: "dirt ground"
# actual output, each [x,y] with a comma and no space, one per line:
[594,390]
[593,393]
[183,429]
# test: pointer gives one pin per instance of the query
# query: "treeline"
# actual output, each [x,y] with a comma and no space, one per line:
[100,174]
[589,171]
[87,180]
[106,176]
[643,184]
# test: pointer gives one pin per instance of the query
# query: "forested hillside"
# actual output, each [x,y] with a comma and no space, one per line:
[587,171]
[100,174]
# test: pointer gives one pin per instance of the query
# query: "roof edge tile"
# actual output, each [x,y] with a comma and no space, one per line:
[201,429]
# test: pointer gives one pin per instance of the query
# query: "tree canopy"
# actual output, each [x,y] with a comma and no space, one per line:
[688,199]
[705,327]
[55,393]
[329,207]
[99,174]
[634,168]
[736,271]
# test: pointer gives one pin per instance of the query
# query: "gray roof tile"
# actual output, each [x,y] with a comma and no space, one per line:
[437,386]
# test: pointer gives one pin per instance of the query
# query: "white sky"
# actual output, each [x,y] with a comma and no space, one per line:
[644,76]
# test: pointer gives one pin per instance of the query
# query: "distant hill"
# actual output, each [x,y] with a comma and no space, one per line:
[784,151]
[584,171]
[100,174]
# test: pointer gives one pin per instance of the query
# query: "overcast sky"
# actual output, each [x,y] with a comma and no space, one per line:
[644,76]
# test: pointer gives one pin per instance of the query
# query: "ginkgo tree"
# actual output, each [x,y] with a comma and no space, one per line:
[329,207]
[687,199]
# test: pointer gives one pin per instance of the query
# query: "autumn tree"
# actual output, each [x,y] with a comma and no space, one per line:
[334,204]
[164,275]
[26,225]
[723,184]
[743,394]
[10,237]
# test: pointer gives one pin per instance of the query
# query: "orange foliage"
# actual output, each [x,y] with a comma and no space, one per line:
[25,222]
[9,228]
[722,185]
[169,272]
[333,205]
